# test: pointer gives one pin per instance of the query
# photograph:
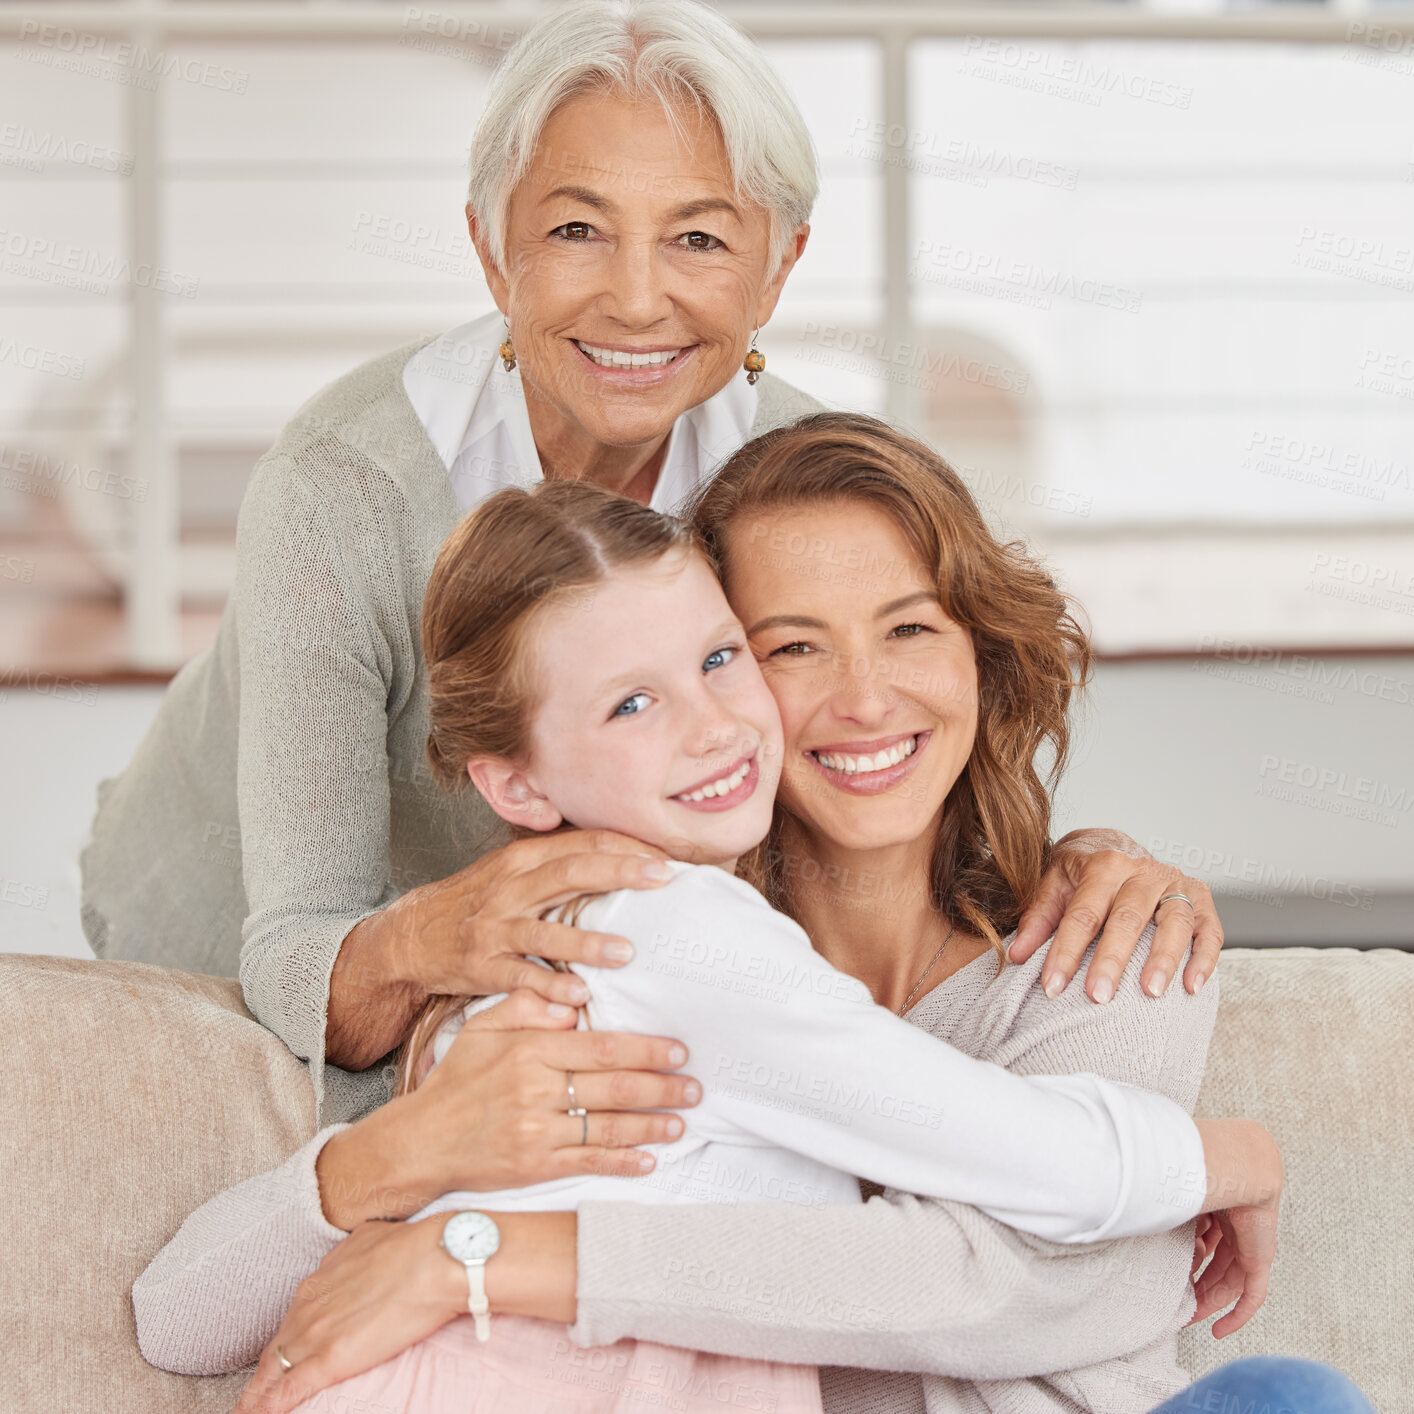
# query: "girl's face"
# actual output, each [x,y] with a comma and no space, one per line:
[876,685]
[652,718]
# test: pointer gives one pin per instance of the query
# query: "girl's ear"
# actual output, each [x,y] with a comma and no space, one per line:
[509,793]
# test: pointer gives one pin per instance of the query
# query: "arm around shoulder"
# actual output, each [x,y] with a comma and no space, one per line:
[907,1283]
[312,770]
[212,1298]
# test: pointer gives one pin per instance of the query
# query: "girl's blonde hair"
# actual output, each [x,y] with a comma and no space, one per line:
[517,552]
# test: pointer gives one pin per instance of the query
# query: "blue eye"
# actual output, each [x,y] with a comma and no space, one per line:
[718,658]
[628,702]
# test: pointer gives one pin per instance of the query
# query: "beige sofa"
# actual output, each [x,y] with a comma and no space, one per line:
[133,1093]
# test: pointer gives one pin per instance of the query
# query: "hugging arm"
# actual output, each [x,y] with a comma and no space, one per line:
[908,1283]
[1103,880]
[216,1293]
[312,769]
[803,1059]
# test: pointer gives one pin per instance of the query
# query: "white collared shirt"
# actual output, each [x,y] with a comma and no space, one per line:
[475,414]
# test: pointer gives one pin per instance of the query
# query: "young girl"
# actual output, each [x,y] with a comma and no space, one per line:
[586,670]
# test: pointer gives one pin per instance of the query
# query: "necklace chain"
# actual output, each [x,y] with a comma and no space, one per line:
[926,971]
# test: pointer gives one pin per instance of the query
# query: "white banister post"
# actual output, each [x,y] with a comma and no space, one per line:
[153,603]
[901,396]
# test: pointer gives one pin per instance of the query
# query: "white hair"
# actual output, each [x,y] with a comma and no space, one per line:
[677,51]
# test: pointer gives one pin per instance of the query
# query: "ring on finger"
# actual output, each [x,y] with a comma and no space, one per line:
[577,1111]
[1168,898]
[282,1358]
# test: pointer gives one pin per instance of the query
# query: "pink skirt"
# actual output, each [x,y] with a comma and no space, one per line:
[532,1367]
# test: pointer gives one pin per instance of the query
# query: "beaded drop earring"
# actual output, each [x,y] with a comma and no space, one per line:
[755,361]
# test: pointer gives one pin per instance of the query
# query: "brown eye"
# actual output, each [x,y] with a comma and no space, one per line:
[701,240]
[574,230]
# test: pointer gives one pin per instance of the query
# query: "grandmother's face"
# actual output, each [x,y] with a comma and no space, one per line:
[625,240]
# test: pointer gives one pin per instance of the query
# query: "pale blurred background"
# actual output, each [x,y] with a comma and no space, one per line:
[1143,271]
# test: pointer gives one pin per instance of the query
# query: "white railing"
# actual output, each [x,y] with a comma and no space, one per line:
[153,589]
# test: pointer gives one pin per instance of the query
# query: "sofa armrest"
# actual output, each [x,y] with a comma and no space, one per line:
[132,1094]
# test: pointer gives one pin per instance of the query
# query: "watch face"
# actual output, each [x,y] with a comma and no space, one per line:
[471,1237]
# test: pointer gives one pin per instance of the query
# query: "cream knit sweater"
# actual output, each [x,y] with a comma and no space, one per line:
[282,793]
[979,1317]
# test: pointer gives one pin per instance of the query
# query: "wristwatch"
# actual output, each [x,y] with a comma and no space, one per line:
[472,1238]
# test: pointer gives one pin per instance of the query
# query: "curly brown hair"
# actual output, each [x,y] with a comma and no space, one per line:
[993,836]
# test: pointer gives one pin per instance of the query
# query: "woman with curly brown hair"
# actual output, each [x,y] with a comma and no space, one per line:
[584,668]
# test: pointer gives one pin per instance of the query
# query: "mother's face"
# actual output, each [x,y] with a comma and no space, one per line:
[625,236]
[876,685]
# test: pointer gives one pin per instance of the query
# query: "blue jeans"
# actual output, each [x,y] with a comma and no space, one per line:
[1269,1384]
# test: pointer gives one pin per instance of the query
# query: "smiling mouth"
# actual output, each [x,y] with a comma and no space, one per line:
[626,358]
[718,785]
[863,764]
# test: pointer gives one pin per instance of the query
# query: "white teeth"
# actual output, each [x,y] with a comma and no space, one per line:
[724,786]
[859,765]
[617,358]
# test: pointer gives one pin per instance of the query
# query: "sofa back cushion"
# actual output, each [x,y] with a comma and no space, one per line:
[134,1093]
[1316,1043]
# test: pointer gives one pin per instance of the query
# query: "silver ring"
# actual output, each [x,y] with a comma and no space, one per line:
[1167,897]
[280,1356]
[577,1111]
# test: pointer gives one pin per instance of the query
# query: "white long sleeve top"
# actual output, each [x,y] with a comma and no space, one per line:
[807,1083]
